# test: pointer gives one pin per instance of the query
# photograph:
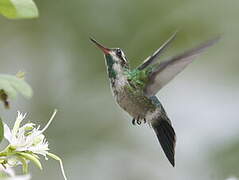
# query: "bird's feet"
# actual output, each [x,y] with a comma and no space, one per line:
[138,121]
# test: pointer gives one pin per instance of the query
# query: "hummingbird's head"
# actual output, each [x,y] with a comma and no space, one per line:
[113,55]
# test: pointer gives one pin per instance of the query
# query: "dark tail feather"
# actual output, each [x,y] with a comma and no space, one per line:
[166,137]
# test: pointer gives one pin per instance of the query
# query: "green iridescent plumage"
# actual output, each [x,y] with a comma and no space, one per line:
[110,63]
[139,78]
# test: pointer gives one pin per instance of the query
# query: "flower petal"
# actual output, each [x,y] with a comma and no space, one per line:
[18,121]
[7,133]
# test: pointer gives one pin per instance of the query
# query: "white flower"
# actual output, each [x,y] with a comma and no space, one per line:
[27,138]
[26,143]
[7,173]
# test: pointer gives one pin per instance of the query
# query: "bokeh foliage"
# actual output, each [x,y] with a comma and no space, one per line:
[67,72]
[18,9]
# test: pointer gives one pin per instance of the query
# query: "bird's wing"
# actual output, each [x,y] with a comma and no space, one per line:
[167,70]
[152,59]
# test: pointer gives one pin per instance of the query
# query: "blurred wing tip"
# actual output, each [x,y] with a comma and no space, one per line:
[214,40]
[172,37]
[92,39]
[203,46]
[152,59]
[175,33]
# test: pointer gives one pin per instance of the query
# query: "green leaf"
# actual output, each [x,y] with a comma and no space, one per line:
[17,84]
[24,164]
[7,89]
[17,9]
[31,158]
[1,130]
[11,85]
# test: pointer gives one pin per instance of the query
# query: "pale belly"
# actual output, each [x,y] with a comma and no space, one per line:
[136,104]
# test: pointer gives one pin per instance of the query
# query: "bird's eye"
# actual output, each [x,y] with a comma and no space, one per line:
[118,52]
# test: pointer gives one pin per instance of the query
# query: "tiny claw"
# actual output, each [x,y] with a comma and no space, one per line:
[138,122]
[145,120]
[133,121]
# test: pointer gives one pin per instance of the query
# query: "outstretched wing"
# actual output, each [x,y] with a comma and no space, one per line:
[167,70]
[152,59]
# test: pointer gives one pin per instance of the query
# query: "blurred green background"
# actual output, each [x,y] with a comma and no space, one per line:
[93,136]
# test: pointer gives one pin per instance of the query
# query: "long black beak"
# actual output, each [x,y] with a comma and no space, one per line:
[104,49]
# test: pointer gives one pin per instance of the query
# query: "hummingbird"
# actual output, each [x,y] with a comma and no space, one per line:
[135,89]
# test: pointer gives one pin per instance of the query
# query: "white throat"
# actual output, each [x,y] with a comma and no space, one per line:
[121,79]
